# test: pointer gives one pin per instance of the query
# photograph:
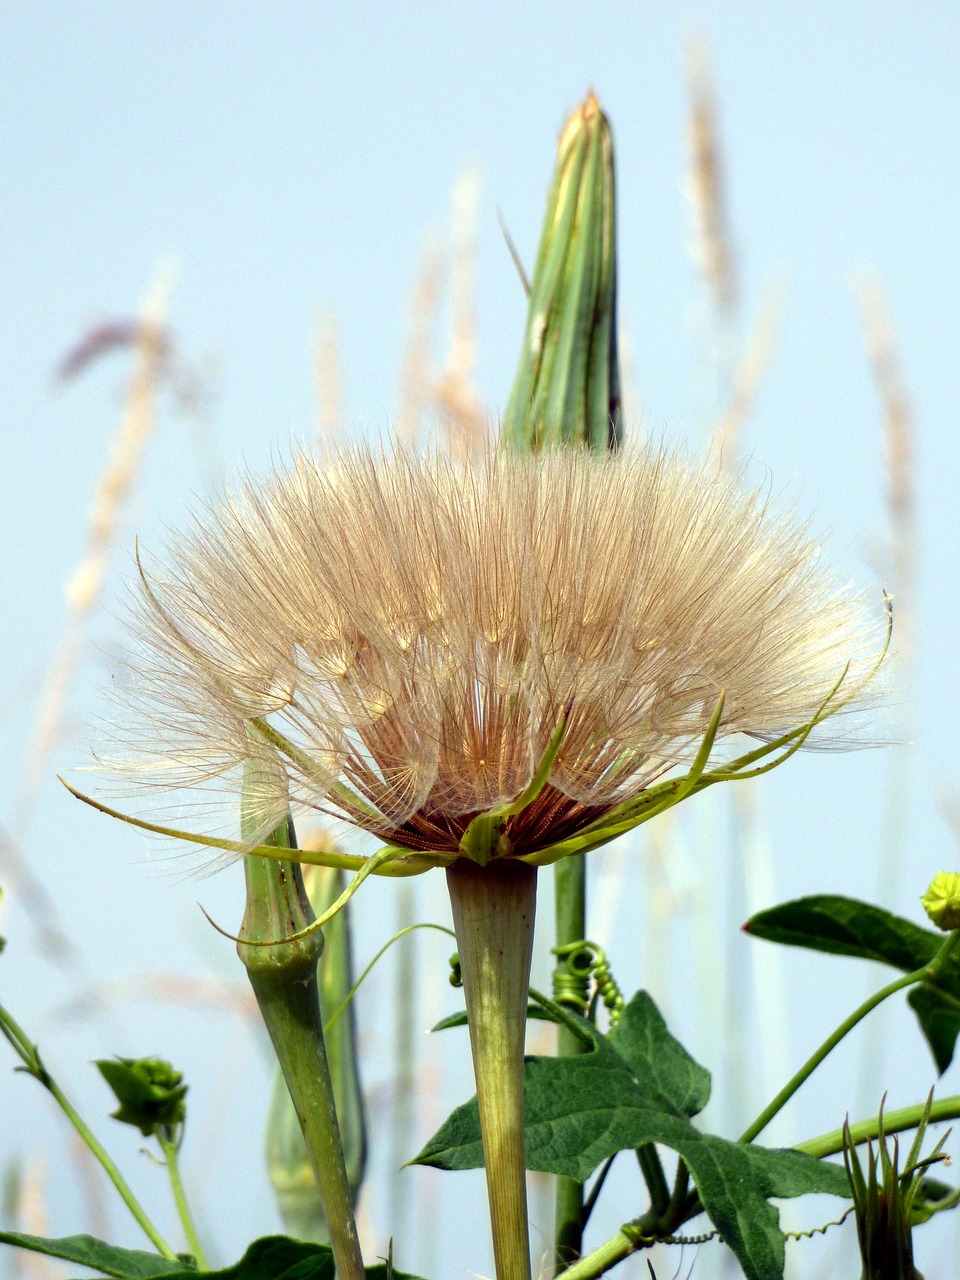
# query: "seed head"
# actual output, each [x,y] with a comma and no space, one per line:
[406,634]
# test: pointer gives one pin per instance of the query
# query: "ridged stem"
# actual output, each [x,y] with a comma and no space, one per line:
[493,915]
[284,981]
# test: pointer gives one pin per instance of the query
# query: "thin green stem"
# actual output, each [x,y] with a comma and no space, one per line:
[570,890]
[29,1055]
[601,1259]
[928,972]
[591,1200]
[831,1144]
[653,1176]
[401,933]
[169,1149]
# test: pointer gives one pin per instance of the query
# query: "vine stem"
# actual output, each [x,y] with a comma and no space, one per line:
[570,914]
[831,1144]
[928,971]
[170,1153]
[29,1055]
[625,1242]
[601,1259]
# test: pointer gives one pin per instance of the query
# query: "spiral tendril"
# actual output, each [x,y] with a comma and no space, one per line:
[578,963]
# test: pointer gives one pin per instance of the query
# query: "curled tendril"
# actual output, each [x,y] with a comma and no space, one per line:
[578,963]
[821,1230]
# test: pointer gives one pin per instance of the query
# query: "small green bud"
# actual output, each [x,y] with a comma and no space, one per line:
[941,902]
[150,1092]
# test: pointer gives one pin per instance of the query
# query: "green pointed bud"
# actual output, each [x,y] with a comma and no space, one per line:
[889,1203]
[941,902]
[150,1092]
[288,1165]
[567,386]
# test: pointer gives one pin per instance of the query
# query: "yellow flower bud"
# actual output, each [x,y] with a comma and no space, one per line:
[941,902]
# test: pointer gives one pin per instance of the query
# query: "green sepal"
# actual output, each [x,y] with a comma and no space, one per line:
[889,1203]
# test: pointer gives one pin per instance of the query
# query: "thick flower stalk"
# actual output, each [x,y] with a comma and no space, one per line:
[489,668]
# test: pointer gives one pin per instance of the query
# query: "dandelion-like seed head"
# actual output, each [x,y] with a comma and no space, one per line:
[407,640]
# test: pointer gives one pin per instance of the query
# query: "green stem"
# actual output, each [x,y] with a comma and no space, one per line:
[29,1055]
[493,914]
[570,892]
[284,981]
[654,1177]
[180,1200]
[927,972]
[590,1203]
[601,1259]
[831,1144]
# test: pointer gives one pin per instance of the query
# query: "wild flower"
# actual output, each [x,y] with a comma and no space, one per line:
[413,638]
[489,666]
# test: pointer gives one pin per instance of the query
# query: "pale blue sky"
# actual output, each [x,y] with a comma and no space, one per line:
[294,157]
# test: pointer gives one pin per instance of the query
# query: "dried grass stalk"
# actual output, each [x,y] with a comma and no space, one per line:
[899,439]
[712,248]
[85,587]
[747,378]
[328,383]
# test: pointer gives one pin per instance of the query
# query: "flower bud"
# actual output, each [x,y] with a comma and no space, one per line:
[150,1093]
[941,902]
[567,386]
[888,1203]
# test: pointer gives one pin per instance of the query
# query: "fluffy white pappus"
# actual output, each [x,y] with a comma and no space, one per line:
[403,635]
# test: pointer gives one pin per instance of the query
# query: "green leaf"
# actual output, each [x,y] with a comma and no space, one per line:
[583,1109]
[87,1251]
[847,927]
[270,1258]
[642,1040]
[939,1018]
[282,1258]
